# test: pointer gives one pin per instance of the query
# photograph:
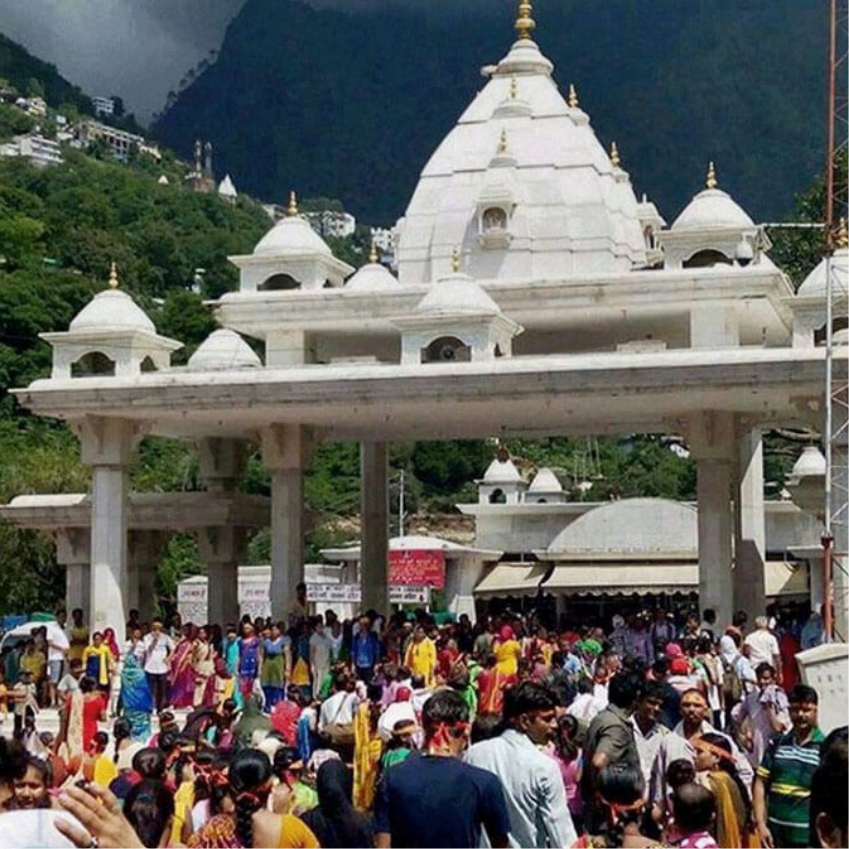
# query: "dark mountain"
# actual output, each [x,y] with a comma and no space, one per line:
[29,75]
[351,104]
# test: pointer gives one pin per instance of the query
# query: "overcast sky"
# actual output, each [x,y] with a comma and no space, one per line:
[138,49]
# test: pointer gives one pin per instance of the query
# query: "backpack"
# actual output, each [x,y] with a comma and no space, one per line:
[732,686]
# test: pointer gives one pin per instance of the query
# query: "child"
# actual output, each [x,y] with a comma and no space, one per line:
[24,698]
[695,812]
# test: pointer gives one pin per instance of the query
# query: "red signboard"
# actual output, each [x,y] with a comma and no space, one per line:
[419,568]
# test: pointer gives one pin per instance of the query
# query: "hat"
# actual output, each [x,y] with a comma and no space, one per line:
[403,694]
[679,666]
[673,650]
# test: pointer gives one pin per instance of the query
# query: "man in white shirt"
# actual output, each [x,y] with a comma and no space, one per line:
[680,745]
[648,732]
[761,646]
[532,784]
[339,708]
[157,651]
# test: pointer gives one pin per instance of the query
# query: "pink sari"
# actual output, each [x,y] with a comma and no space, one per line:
[182,675]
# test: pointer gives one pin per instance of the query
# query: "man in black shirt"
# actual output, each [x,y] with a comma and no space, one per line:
[436,799]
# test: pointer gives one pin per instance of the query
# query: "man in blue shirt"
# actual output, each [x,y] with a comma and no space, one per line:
[365,650]
[436,799]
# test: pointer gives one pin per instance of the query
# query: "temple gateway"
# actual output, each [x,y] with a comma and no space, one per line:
[535,296]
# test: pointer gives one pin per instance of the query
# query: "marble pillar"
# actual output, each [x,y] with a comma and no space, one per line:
[750,528]
[374,545]
[147,549]
[712,444]
[107,446]
[285,452]
[74,553]
[840,532]
[221,549]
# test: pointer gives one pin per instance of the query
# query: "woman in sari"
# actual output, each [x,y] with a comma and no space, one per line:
[136,700]
[181,678]
[368,748]
[490,683]
[507,651]
[110,641]
[203,667]
[715,769]
[72,748]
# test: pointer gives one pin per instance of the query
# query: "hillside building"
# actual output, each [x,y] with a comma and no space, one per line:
[534,296]
[34,147]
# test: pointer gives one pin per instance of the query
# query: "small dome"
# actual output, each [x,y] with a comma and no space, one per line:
[712,208]
[372,277]
[112,309]
[454,294]
[545,481]
[226,188]
[815,282]
[811,463]
[289,236]
[502,472]
[223,350]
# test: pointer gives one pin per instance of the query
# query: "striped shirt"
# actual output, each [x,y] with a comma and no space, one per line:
[787,769]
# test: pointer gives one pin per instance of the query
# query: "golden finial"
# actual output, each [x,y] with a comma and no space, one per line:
[841,240]
[573,98]
[514,88]
[525,24]
[710,182]
[615,161]
[113,276]
[455,260]
[502,141]
[373,257]
[292,209]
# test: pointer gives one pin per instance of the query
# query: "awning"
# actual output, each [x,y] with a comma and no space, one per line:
[782,579]
[596,579]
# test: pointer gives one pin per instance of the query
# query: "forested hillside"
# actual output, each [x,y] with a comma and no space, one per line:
[352,103]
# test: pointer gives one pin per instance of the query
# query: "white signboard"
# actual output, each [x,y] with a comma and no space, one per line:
[826,669]
[255,597]
[352,593]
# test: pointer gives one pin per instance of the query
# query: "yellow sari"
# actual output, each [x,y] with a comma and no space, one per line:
[507,656]
[368,748]
[730,810]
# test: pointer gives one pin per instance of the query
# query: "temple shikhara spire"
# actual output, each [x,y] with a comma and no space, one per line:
[292,208]
[615,159]
[525,24]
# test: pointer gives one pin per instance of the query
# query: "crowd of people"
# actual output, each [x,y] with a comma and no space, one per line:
[658,730]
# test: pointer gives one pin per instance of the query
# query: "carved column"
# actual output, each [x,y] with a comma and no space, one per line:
[374,544]
[285,452]
[750,527]
[107,446]
[73,551]
[712,444]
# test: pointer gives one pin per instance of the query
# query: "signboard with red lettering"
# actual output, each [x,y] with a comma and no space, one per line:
[422,568]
